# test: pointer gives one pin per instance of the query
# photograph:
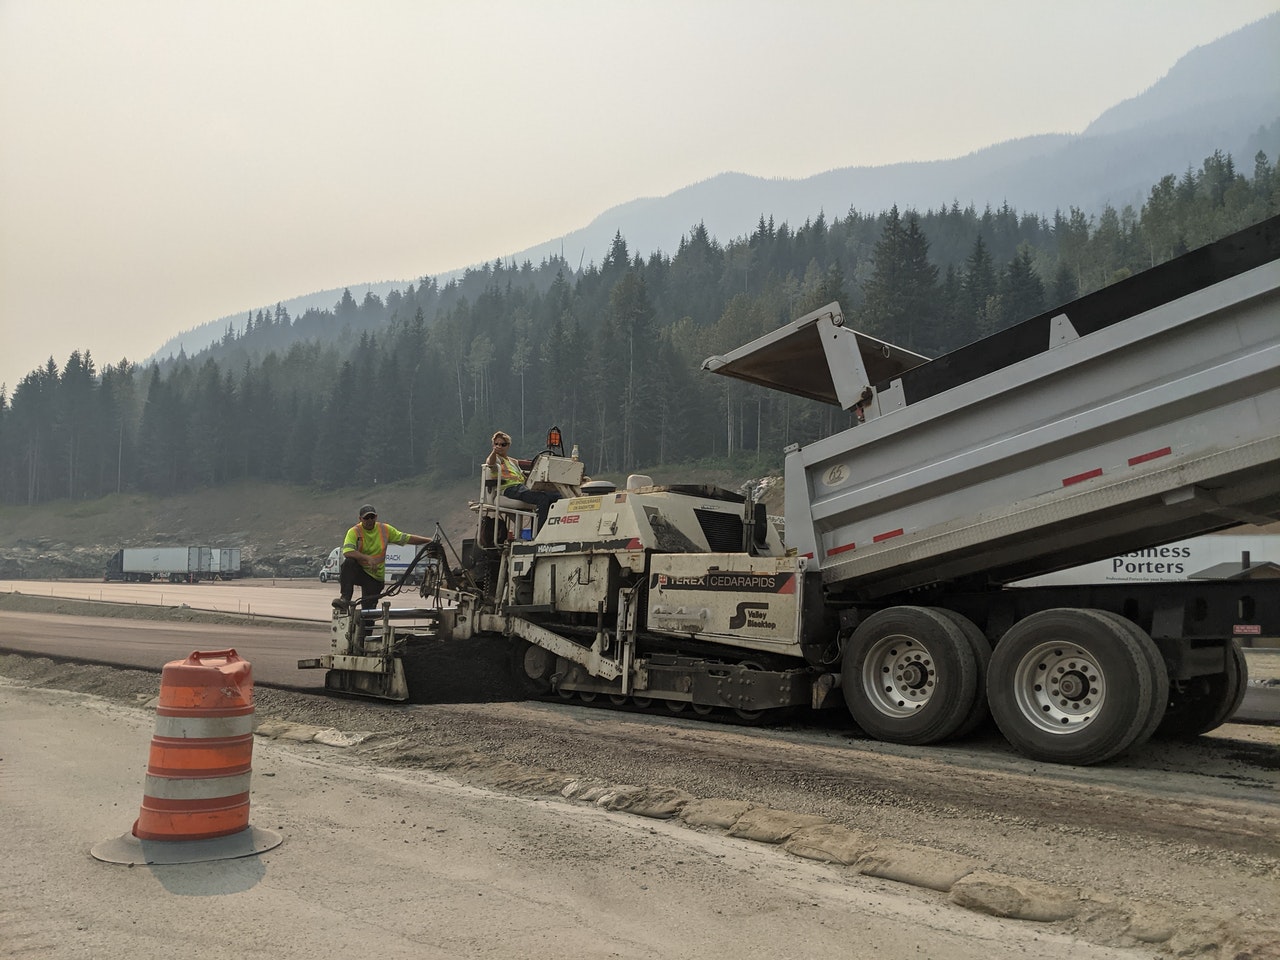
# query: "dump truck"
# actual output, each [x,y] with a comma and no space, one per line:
[1139,415]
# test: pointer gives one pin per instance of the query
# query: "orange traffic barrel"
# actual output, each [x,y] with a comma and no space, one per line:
[195,805]
[197,783]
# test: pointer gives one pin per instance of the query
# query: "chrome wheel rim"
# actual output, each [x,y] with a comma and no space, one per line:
[1059,687]
[899,676]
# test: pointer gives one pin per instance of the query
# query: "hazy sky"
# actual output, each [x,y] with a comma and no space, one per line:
[164,163]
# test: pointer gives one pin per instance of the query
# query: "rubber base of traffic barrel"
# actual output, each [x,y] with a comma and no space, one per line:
[129,849]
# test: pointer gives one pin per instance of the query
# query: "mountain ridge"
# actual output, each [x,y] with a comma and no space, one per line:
[1200,105]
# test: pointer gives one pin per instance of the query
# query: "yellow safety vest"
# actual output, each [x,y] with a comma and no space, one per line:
[379,533]
[511,474]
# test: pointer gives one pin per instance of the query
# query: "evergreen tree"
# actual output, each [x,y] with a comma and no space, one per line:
[8,485]
[632,316]
[881,311]
[1064,286]
[1072,235]
[921,302]
[1021,291]
[78,421]
[32,414]
[978,287]
[300,448]
[338,455]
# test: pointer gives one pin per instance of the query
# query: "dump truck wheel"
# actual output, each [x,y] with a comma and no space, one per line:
[981,647]
[909,675]
[1070,686]
[1159,678]
[1208,702]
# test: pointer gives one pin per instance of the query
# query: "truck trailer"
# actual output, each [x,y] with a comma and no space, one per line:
[1142,414]
[225,563]
[173,564]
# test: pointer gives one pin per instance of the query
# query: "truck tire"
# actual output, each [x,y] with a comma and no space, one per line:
[909,675]
[1070,686]
[981,646]
[1210,703]
[1159,674]
[324,577]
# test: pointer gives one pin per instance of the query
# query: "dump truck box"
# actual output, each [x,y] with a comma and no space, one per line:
[1141,414]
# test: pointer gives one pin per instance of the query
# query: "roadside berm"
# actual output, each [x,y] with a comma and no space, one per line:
[971,883]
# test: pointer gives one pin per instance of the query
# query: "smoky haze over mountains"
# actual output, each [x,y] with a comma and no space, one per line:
[1224,95]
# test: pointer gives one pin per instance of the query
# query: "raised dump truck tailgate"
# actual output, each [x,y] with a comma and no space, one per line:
[1143,413]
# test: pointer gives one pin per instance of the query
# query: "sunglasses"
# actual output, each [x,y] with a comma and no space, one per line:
[501,444]
[370,516]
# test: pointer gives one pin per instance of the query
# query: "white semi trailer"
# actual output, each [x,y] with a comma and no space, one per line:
[1142,414]
[173,564]
[225,563]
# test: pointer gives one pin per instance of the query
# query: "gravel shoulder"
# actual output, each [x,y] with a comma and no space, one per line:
[395,862]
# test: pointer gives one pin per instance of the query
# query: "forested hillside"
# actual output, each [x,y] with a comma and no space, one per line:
[414,385]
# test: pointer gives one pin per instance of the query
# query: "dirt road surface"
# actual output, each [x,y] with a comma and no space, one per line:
[380,862]
[294,599]
[1174,851]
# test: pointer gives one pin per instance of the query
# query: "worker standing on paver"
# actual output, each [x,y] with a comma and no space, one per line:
[364,554]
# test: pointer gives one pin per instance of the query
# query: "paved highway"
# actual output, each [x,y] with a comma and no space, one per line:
[289,620]
[274,651]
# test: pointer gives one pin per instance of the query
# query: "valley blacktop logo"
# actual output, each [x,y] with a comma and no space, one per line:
[752,615]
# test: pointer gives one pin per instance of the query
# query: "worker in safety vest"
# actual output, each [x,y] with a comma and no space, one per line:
[364,554]
[511,479]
